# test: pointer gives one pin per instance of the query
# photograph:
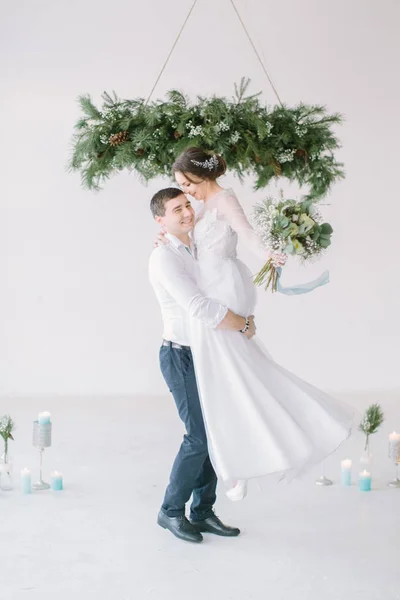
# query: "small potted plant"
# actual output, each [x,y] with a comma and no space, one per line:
[372,420]
[6,429]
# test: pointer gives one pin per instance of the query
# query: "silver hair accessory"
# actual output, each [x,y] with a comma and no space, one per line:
[210,164]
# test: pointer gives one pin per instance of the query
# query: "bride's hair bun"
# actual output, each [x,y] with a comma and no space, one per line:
[198,162]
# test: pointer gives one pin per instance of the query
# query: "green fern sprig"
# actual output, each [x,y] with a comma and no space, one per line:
[372,420]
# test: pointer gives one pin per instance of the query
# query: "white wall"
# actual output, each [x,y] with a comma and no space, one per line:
[77,315]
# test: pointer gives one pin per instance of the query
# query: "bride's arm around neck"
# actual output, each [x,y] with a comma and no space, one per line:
[230,208]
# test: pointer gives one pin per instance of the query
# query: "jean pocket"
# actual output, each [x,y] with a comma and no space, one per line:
[185,362]
[171,369]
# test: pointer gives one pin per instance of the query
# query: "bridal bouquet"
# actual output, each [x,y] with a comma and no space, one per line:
[291,227]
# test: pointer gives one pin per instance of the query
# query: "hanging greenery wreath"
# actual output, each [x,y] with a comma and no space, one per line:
[297,143]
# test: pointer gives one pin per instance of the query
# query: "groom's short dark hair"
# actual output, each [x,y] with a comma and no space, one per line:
[160,199]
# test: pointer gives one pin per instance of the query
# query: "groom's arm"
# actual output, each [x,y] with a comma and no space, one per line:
[168,270]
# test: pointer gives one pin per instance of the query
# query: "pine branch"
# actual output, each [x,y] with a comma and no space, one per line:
[6,428]
[297,143]
[240,92]
[89,108]
[110,101]
[177,97]
[372,419]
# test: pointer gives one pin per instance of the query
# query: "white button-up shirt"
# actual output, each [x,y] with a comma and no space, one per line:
[172,273]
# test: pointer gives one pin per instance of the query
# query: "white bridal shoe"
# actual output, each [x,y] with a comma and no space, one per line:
[238,491]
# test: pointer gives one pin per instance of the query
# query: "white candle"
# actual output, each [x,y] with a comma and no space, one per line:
[364,483]
[26,481]
[56,481]
[345,475]
[394,437]
[365,474]
[44,418]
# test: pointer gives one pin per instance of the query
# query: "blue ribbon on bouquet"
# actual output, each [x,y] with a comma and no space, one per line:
[301,288]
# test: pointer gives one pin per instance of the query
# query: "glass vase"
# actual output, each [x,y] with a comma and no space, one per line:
[366,458]
[6,473]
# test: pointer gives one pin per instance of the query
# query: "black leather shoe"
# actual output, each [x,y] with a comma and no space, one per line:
[214,525]
[180,527]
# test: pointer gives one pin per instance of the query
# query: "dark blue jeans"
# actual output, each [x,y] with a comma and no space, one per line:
[192,472]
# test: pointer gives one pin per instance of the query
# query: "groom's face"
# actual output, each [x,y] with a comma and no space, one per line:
[179,216]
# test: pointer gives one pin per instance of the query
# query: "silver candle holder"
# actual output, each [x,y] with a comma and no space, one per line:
[394,455]
[323,481]
[41,440]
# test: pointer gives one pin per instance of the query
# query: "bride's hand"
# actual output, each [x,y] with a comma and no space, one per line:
[161,240]
[278,259]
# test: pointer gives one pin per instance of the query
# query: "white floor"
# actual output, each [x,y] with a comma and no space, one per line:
[98,539]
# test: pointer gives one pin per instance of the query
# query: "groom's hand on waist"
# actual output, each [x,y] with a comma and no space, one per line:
[251,332]
[235,322]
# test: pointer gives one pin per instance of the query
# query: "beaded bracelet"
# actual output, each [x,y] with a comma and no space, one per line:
[246,327]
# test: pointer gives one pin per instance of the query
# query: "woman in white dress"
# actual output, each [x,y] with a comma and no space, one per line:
[260,418]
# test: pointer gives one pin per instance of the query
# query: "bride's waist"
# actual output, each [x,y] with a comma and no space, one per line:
[230,282]
[222,267]
[205,256]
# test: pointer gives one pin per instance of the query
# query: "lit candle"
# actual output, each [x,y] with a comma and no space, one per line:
[26,481]
[394,437]
[364,483]
[44,418]
[346,472]
[56,481]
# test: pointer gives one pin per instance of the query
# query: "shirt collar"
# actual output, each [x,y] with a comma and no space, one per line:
[176,241]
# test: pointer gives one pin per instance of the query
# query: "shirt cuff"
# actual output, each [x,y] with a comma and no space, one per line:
[220,316]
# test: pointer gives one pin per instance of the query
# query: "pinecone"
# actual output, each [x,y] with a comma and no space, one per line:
[177,135]
[257,158]
[140,152]
[277,167]
[300,153]
[118,138]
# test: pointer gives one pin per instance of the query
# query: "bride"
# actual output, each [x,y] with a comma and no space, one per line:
[260,418]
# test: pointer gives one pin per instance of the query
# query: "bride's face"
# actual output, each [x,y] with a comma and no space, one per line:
[195,187]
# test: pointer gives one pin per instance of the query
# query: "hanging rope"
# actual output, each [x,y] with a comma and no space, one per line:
[248,36]
[171,51]
[256,52]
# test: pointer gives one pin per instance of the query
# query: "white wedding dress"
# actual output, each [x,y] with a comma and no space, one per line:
[260,418]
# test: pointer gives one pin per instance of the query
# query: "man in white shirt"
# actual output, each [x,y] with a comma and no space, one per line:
[172,273]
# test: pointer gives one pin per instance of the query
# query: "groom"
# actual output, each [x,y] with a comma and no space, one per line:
[172,273]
